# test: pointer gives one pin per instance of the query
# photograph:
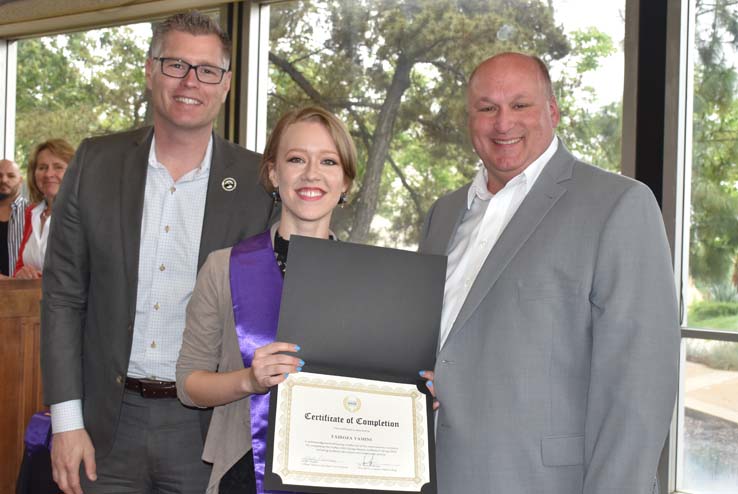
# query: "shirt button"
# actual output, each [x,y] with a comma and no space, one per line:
[156,306]
[172,189]
[153,344]
[162,268]
[166,228]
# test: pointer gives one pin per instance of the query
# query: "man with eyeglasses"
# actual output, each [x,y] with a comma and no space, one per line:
[135,218]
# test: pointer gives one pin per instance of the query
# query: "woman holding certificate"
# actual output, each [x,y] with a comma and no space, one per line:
[229,358]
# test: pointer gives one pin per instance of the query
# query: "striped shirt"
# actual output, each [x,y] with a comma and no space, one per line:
[15,229]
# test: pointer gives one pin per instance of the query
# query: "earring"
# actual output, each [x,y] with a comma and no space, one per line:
[343,199]
[275,195]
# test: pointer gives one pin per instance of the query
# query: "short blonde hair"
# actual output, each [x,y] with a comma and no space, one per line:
[59,148]
[338,131]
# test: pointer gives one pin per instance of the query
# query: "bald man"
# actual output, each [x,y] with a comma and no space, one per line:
[12,213]
[559,344]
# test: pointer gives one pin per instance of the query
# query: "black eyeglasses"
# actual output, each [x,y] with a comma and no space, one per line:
[174,67]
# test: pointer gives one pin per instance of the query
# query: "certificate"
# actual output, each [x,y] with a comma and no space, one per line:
[357,419]
[350,433]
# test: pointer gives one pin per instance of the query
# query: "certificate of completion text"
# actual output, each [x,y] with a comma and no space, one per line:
[343,432]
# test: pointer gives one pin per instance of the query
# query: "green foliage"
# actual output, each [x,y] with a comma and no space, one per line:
[76,85]
[700,311]
[592,134]
[723,292]
[714,214]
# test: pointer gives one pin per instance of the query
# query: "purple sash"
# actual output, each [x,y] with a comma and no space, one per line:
[256,292]
[38,433]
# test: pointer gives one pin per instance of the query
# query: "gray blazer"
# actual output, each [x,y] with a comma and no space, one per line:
[559,374]
[91,266]
[210,343]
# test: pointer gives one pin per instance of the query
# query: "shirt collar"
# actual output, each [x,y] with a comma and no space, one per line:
[17,202]
[528,177]
[203,167]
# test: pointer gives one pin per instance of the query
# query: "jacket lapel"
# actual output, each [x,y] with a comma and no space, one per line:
[132,187]
[448,218]
[547,190]
[220,203]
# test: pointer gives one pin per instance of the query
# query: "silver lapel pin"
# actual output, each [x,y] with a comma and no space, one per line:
[229,184]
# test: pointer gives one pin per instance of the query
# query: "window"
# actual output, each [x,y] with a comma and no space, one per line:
[396,73]
[707,439]
[76,85]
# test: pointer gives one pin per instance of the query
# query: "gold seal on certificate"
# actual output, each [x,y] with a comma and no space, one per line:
[342,432]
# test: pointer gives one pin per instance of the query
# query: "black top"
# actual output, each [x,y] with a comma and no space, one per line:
[4,254]
[281,246]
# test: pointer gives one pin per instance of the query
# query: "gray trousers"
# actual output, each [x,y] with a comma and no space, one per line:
[156,450]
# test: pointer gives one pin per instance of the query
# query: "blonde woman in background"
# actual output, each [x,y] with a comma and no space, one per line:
[46,170]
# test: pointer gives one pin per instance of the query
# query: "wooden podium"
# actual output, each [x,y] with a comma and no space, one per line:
[20,371]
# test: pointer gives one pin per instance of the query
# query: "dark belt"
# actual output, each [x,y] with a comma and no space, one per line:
[149,388]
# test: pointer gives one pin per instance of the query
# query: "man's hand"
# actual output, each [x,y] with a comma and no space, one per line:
[429,375]
[68,449]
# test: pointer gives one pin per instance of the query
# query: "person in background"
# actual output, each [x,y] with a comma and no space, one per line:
[46,169]
[558,354]
[137,214]
[12,216]
[229,359]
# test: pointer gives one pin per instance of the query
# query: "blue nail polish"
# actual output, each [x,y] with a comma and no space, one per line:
[420,373]
[286,375]
[297,348]
[429,384]
[299,369]
[302,362]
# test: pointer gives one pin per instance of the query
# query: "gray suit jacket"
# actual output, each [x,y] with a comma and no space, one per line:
[91,266]
[560,372]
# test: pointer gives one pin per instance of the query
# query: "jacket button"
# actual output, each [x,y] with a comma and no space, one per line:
[119,379]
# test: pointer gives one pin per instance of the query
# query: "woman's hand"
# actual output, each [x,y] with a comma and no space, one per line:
[28,273]
[429,375]
[270,368]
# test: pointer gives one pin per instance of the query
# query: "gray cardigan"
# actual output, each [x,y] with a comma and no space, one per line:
[209,343]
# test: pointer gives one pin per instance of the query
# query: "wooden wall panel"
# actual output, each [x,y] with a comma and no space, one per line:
[20,371]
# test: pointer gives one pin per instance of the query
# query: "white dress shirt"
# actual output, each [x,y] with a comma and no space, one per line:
[35,248]
[485,219]
[171,229]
